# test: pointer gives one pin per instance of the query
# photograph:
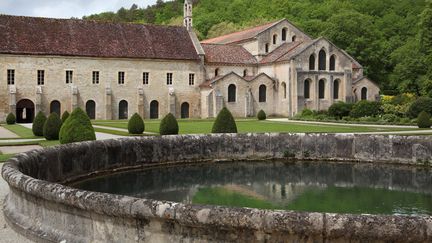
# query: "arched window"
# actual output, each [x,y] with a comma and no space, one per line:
[294,38]
[123,110]
[322,60]
[91,109]
[312,62]
[332,63]
[284,34]
[245,73]
[185,110]
[284,90]
[306,92]
[274,39]
[267,48]
[55,106]
[364,93]
[321,89]
[232,89]
[216,72]
[262,93]
[25,110]
[154,109]
[336,89]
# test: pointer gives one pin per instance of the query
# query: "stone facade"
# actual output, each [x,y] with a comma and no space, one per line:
[276,55]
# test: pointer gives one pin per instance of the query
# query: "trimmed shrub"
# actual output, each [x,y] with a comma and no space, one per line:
[38,124]
[224,122]
[65,116]
[419,105]
[10,119]
[390,118]
[365,108]
[52,127]
[261,115]
[306,112]
[136,124]
[169,125]
[77,128]
[340,109]
[424,120]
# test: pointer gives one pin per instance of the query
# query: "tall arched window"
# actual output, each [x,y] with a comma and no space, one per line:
[185,110]
[336,89]
[91,109]
[55,106]
[216,72]
[294,38]
[267,48]
[232,89]
[321,89]
[284,34]
[284,90]
[332,63]
[312,62]
[154,109]
[364,93]
[274,39]
[123,110]
[262,93]
[322,60]
[306,92]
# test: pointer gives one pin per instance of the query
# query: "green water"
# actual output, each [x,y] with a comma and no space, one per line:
[308,187]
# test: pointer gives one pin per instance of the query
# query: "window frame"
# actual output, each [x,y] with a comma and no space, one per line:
[146,78]
[40,77]
[121,77]
[11,76]
[69,76]
[191,79]
[95,77]
[169,80]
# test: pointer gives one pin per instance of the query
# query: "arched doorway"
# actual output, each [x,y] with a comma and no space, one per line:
[55,106]
[185,110]
[91,109]
[364,93]
[123,110]
[25,110]
[154,109]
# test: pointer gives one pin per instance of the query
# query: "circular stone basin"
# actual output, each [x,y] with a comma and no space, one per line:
[43,205]
[308,187]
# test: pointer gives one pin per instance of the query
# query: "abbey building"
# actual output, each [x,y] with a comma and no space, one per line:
[113,70]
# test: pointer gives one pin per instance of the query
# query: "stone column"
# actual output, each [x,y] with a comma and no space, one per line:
[316,93]
[331,87]
[172,101]
[210,104]
[12,99]
[38,105]
[108,103]
[74,98]
[348,93]
[141,102]
[219,102]
[249,110]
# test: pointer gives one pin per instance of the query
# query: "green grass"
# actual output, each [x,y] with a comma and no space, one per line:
[22,132]
[246,126]
[4,157]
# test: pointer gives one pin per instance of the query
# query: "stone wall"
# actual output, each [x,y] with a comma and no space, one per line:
[42,209]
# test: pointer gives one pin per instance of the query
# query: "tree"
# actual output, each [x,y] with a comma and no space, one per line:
[10,119]
[169,125]
[424,120]
[224,122]
[136,124]
[38,124]
[261,115]
[51,128]
[77,128]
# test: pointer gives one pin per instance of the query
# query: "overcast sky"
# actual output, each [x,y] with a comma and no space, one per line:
[65,8]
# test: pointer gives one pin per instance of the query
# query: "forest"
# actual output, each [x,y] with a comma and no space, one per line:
[392,39]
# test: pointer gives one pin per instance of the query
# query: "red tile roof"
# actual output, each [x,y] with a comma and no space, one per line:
[67,37]
[240,36]
[228,54]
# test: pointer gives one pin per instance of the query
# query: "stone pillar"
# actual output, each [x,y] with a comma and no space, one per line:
[348,93]
[219,102]
[331,87]
[74,98]
[249,111]
[316,93]
[210,104]
[38,105]
[108,103]
[12,99]
[141,102]
[172,101]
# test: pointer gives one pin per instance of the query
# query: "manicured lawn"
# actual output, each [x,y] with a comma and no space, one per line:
[4,157]
[245,126]
[21,131]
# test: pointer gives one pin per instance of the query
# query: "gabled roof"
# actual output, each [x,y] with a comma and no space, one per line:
[362,78]
[69,37]
[228,54]
[209,82]
[241,35]
[280,53]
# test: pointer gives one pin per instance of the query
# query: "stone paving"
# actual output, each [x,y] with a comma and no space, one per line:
[18,149]
[4,133]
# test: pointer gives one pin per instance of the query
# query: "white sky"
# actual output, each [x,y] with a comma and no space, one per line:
[65,8]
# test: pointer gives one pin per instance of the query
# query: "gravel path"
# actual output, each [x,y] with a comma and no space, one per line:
[4,133]
[7,235]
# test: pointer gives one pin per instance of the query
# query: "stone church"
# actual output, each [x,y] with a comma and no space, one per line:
[113,70]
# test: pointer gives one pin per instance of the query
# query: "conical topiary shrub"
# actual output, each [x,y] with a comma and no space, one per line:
[169,125]
[136,124]
[52,127]
[38,124]
[261,115]
[224,122]
[65,116]
[424,120]
[77,128]
[10,119]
